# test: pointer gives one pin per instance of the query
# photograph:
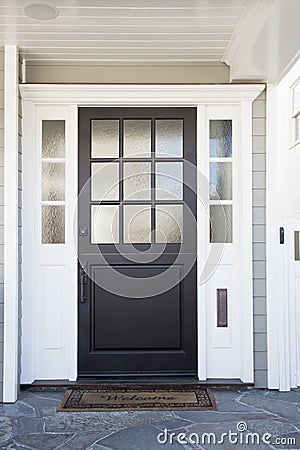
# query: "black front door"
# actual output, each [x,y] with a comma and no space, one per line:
[137,241]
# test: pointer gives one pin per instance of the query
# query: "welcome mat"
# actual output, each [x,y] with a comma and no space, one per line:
[137,397]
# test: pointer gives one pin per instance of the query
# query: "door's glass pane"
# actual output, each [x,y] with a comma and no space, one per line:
[53,224]
[137,138]
[105,181]
[169,223]
[296,98]
[105,138]
[53,138]
[220,138]
[104,224]
[169,138]
[169,180]
[137,181]
[137,224]
[221,180]
[221,223]
[53,181]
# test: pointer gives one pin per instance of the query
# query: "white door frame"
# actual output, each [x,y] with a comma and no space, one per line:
[241,96]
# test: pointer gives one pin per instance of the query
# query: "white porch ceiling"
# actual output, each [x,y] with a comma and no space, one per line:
[257,39]
[160,31]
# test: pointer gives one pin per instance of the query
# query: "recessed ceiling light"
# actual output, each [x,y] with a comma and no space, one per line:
[41,11]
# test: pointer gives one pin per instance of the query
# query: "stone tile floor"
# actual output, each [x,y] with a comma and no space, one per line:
[33,423]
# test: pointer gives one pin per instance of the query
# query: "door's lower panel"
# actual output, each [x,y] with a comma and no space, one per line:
[147,335]
[122,323]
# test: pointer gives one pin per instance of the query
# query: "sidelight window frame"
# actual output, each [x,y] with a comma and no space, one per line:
[295,113]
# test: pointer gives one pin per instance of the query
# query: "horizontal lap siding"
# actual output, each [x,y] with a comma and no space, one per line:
[259,240]
[1,214]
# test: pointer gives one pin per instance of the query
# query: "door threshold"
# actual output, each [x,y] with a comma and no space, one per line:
[81,382]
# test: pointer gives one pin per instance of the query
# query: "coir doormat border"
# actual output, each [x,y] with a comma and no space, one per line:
[71,400]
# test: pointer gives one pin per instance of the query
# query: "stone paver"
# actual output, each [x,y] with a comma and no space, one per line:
[85,439]
[6,429]
[280,408]
[140,437]
[33,423]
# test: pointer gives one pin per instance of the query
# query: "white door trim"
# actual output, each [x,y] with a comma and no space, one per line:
[202,250]
[11,313]
[121,95]
[168,95]
[247,369]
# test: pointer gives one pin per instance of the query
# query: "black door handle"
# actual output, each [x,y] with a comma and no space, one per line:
[281,235]
[82,285]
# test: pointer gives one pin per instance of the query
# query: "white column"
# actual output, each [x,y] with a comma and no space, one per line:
[10,357]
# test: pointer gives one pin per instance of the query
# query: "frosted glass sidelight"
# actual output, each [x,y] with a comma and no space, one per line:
[53,224]
[137,224]
[53,138]
[104,224]
[105,139]
[220,223]
[105,181]
[53,181]
[169,138]
[137,138]
[137,181]
[169,223]
[220,138]
[169,181]
[221,180]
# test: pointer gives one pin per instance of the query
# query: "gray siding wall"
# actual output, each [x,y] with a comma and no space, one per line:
[1,213]
[259,240]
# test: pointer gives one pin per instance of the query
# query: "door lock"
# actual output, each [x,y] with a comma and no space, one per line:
[83,231]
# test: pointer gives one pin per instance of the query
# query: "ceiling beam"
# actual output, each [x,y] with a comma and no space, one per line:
[251,22]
